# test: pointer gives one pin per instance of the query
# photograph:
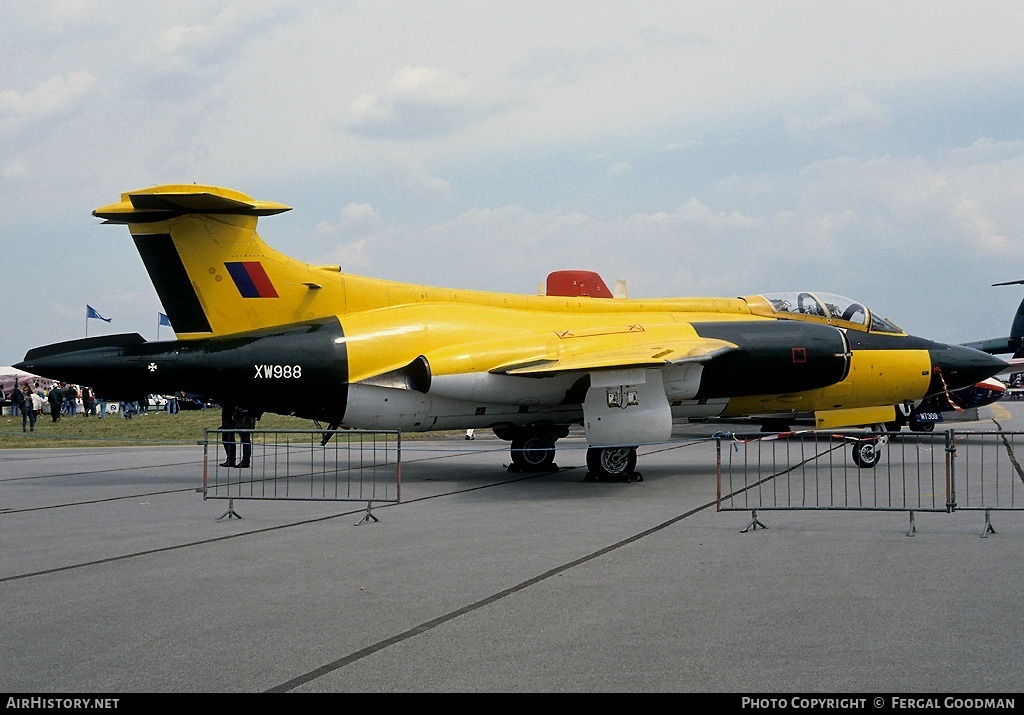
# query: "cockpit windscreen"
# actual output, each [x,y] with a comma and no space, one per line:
[831,307]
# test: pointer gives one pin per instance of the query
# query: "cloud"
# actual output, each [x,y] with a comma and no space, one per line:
[352,237]
[355,219]
[855,116]
[68,11]
[697,213]
[553,66]
[981,229]
[353,257]
[661,36]
[987,149]
[619,168]
[193,45]
[14,169]
[50,97]
[405,169]
[419,102]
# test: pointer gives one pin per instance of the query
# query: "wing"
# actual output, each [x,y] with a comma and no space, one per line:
[614,349]
[546,354]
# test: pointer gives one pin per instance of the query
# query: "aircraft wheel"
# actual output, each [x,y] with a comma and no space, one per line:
[611,462]
[916,426]
[533,452]
[866,453]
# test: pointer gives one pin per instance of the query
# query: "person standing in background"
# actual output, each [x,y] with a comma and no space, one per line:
[56,399]
[88,401]
[29,410]
[17,398]
[71,399]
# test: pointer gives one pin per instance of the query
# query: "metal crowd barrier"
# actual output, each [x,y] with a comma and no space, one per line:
[304,465]
[986,472]
[917,471]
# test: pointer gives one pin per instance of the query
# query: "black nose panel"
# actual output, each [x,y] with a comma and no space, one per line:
[956,366]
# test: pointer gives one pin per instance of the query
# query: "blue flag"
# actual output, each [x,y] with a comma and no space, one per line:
[162,319]
[90,312]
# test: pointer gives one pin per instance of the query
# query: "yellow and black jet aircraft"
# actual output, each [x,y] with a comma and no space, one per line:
[258,329]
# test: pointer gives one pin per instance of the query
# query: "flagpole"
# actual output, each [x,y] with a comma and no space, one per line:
[87,321]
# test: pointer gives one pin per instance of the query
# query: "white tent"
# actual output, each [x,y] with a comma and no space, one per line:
[8,371]
[10,376]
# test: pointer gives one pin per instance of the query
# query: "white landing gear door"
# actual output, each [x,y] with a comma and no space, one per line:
[626,407]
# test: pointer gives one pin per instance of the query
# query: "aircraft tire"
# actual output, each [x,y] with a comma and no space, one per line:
[866,453]
[533,452]
[611,462]
[916,426]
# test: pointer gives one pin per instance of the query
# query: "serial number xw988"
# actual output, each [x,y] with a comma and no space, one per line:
[278,371]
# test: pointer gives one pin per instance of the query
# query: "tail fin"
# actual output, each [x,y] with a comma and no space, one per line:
[211,270]
[1014,342]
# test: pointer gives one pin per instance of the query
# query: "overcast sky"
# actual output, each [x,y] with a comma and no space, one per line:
[871,149]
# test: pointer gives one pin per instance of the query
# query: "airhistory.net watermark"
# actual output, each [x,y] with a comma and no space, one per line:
[40,703]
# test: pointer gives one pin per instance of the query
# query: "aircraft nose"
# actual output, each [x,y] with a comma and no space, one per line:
[956,366]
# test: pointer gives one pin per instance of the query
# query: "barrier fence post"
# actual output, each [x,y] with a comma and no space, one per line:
[950,470]
[206,463]
[718,472]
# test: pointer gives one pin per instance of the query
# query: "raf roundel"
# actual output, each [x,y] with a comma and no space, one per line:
[251,279]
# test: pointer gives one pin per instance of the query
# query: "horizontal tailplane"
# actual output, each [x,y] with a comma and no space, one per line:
[162,203]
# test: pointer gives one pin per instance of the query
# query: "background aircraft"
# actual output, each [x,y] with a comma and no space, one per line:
[1012,344]
[271,333]
[1014,341]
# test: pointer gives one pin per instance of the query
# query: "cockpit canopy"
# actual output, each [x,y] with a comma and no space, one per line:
[829,308]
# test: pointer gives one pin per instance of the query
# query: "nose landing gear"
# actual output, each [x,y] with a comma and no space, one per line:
[868,451]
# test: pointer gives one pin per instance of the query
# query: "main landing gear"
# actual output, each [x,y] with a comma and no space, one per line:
[612,464]
[533,450]
[534,453]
